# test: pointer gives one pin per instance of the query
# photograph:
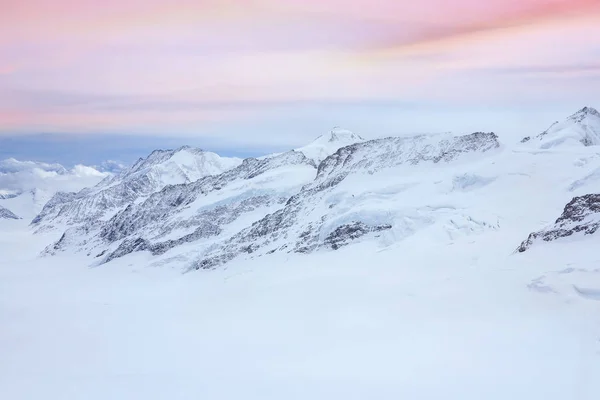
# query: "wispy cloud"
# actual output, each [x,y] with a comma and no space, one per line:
[155,65]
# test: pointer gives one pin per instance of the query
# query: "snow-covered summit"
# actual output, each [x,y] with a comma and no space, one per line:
[326,145]
[581,128]
[148,175]
[584,113]
[170,167]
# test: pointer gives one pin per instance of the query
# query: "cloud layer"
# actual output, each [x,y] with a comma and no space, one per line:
[22,176]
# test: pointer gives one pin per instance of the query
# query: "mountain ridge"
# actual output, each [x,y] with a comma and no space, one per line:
[134,228]
[580,128]
[148,175]
[5,213]
[288,202]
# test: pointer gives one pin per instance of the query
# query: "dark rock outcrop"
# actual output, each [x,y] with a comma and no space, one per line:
[580,216]
[344,234]
[7,214]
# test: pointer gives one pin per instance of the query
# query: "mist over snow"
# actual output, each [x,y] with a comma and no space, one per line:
[25,186]
[21,176]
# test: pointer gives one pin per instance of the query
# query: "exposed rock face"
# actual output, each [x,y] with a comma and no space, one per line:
[344,234]
[7,214]
[55,203]
[580,216]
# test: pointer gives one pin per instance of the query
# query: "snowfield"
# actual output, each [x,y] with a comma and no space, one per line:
[420,321]
[393,269]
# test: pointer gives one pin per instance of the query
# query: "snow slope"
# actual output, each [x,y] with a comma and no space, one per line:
[210,209]
[581,128]
[325,145]
[421,320]
[352,197]
[161,168]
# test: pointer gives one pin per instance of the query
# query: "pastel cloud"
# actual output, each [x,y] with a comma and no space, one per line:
[114,65]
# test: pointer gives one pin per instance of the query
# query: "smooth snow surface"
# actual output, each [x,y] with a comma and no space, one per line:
[467,321]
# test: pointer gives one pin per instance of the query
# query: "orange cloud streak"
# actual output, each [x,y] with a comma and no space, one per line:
[459,33]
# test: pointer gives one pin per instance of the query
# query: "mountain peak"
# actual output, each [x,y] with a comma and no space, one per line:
[583,113]
[340,134]
[158,157]
[183,164]
[326,145]
[581,128]
[191,149]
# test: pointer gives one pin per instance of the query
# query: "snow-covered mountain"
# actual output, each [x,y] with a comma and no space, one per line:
[7,214]
[279,203]
[581,128]
[146,176]
[384,190]
[325,145]
[363,276]
[216,205]
[171,167]
[350,197]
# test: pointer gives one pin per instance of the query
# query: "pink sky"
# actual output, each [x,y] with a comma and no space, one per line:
[174,65]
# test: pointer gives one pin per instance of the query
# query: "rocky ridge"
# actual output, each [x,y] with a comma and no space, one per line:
[309,222]
[581,216]
[581,128]
[146,176]
[7,214]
